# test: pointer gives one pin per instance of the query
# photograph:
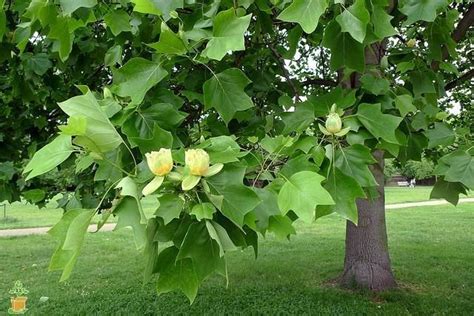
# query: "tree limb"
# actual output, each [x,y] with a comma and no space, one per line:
[286,74]
[452,84]
[458,34]
[319,82]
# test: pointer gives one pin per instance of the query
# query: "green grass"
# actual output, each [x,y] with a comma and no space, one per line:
[416,194]
[24,215]
[431,250]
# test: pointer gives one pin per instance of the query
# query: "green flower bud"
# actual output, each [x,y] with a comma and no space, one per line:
[333,123]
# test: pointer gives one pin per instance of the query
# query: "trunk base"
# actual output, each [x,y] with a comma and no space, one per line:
[367,275]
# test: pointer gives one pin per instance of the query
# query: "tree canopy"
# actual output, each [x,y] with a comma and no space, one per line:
[271,111]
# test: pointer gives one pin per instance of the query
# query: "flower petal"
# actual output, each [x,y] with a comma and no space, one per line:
[189,182]
[214,169]
[153,185]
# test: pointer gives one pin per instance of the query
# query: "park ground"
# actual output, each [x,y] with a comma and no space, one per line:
[431,251]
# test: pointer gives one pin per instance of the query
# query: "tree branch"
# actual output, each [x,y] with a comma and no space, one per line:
[463,26]
[286,74]
[319,82]
[458,34]
[452,84]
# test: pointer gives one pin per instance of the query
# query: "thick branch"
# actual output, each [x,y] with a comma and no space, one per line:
[463,26]
[468,75]
[286,74]
[458,34]
[319,82]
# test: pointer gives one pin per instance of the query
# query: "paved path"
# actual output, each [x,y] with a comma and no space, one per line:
[109,227]
[44,230]
[425,203]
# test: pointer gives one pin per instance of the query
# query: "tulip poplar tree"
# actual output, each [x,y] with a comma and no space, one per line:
[202,110]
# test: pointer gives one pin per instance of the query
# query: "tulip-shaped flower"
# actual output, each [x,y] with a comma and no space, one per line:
[333,124]
[197,166]
[160,163]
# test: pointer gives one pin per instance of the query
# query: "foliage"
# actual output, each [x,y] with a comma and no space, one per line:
[133,77]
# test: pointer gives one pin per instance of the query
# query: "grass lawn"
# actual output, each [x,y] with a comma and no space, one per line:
[402,194]
[21,215]
[431,250]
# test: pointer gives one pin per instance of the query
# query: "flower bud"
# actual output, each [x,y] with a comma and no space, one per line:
[160,162]
[411,43]
[333,123]
[197,160]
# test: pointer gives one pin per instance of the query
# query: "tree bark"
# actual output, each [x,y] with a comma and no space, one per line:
[367,261]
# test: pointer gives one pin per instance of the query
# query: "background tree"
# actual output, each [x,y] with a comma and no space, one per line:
[136,76]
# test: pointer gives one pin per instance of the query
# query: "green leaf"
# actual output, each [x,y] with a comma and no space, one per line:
[267,209]
[421,10]
[37,63]
[176,274]
[136,77]
[69,6]
[146,7]
[375,85]
[345,51]
[169,43]
[227,35]
[49,157]
[113,56]
[304,12]
[204,251]
[203,211]
[99,128]
[302,193]
[447,190]
[354,162]
[220,235]
[238,200]
[459,167]
[354,20]
[166,7]
[70,232]
[128,214]
[225,92]
[440,135]
[171,206]
[34,195]
[118,21]
[344,190]
[63,34]
[129,188]
[404,104]
[281,226]
[222,149]
[381,20]
[299,119]
[380,125]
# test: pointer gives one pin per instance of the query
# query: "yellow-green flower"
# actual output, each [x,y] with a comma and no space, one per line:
[197,161]
[160,162]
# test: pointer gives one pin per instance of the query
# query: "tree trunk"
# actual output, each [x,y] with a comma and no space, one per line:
[367,261]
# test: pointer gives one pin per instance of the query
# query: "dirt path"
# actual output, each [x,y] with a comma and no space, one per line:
[110,227]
